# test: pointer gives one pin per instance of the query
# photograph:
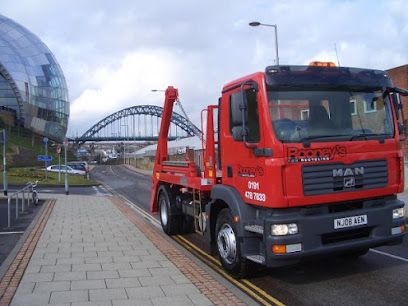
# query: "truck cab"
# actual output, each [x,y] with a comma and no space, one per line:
[312,155]
[305,162]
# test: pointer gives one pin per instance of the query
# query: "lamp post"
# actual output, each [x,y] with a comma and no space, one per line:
[257,23]
[124,142]
[45,141]
[66,168]
[5,178]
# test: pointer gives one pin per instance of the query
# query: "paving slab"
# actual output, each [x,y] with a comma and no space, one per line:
[69,296]
[90,253]
[88,284]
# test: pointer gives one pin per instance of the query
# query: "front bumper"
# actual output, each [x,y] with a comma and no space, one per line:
[317,235]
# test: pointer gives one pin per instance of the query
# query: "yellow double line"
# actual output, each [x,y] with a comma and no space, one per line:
[245,285]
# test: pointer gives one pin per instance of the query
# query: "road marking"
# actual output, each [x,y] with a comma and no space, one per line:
[389,255]
[113,172]
[100,191]
[10,233]
[255,292]
[110,189]
[259,290]
[104,189]
[144,214]
[96,190]
[213,259]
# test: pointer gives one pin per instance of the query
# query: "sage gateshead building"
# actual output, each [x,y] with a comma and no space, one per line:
[32,85]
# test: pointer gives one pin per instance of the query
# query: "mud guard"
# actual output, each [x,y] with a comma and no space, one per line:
[238,207]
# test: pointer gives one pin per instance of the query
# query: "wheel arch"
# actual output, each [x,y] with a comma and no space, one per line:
[171,189]
[223,196]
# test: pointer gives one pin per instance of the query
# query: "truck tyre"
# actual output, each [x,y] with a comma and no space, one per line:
[169,219]
[228,245]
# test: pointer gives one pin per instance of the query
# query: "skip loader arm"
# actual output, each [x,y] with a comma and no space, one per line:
[171,96]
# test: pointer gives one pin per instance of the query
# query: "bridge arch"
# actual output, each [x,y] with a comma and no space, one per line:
[151,110]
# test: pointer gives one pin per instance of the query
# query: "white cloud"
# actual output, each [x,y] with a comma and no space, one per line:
[129,84]
[113,53]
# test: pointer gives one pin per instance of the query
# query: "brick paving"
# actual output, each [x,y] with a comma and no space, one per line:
[89,253]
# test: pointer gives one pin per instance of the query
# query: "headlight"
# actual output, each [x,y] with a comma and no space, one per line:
[284,229]
[398,213]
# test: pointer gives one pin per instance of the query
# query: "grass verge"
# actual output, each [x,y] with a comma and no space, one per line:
[20,176]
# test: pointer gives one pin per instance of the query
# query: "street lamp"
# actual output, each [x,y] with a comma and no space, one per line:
[257,23]
[66,168]
[124,142]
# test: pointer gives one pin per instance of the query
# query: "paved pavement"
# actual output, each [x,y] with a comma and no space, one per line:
[91,254]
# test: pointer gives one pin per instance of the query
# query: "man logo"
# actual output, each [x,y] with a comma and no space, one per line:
[348,171]
[349,182]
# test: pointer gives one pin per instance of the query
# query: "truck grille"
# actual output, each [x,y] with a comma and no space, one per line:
[339,177]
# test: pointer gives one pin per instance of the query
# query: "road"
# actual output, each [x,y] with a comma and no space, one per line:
[9,236]
[378,278]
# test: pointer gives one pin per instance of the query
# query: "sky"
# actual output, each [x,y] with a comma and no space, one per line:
[114,52]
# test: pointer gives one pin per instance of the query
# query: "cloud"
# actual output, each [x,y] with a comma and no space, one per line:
[113,53]
[112,89]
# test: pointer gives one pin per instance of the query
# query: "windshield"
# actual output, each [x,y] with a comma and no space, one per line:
[299,116]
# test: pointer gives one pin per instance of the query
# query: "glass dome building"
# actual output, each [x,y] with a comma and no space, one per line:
[32,84]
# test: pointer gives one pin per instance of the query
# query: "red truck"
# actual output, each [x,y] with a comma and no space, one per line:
[297,161]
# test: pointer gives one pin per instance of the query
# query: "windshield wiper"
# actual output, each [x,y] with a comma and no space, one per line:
[306,140]
[366,135]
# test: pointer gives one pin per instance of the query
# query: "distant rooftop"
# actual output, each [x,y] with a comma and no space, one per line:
[173,146]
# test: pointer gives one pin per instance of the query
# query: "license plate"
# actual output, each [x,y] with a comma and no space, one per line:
[350,221]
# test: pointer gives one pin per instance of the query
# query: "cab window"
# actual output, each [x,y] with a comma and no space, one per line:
[252,118]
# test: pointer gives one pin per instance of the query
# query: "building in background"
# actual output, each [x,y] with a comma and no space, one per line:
[32,85]
[399,76]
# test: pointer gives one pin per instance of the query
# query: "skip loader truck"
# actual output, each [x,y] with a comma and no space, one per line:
[297,161]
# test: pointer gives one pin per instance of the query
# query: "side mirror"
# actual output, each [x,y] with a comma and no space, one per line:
[239,114]
[396,94]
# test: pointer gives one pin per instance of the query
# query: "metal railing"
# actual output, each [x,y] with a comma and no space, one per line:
[28,194]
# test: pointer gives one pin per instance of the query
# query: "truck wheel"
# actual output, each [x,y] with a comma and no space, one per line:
[228,245]
[170,221]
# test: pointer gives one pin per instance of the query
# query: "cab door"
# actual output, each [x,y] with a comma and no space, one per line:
[241,135]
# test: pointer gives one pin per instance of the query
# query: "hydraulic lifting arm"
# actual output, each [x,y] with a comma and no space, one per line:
[171,96]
